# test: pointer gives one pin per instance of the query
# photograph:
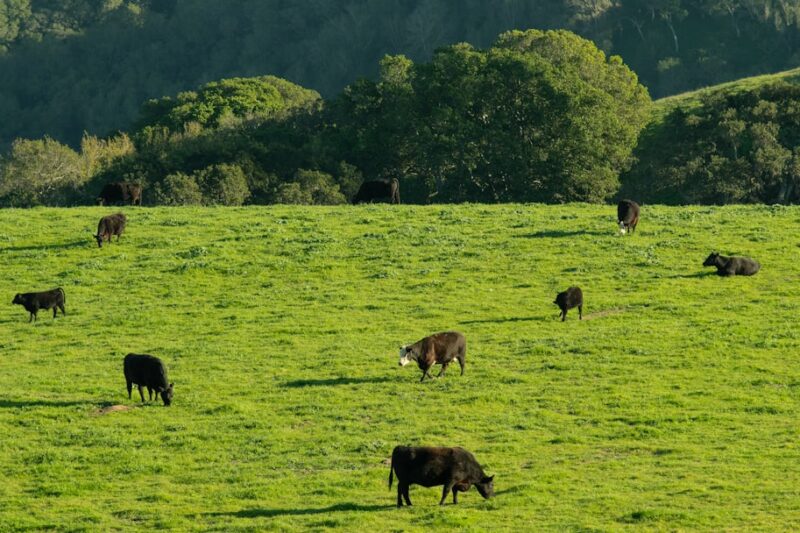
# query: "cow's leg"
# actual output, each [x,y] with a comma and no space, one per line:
[424,373]
[447,488]
[455,495]
[563,315]
[55,310]
[580,312]
[149,394]
[141,393]
[30,318]
[405,495]
[462,361]
[399,494]
[63,311]
[129,384]
[441,372]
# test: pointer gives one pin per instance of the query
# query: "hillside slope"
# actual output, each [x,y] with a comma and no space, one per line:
[672,405]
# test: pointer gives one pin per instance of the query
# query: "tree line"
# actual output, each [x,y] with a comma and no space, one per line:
[74,66]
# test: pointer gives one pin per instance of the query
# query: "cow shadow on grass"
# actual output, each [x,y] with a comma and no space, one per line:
[503,320]
[704,274]
[272,513]
[44,247]
[332,382]
[16,404]
[556,234]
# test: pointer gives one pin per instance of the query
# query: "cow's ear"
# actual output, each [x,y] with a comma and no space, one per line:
[488,479]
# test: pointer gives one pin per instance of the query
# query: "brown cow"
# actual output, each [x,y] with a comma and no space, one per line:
[120,193]
[109,226]
[439,348]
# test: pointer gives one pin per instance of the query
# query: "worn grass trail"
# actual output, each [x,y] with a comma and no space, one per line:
[673,406]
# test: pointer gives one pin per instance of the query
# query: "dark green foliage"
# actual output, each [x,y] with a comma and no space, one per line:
[178,189]
[40,172]
[223,185]
[731,148]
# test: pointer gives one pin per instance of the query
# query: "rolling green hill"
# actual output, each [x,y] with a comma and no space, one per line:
[672,406]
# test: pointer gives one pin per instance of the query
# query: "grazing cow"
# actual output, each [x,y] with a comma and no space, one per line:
[110,226]
[455,468]
[569,299]
[33,301]
[147,371]
[120,192]
[627,215]
[732,266]
[439,348]
[378,190]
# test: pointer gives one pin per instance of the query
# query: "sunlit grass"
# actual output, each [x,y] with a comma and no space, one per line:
[673,405]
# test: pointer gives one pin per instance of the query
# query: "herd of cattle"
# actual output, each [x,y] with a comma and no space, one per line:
[454,468]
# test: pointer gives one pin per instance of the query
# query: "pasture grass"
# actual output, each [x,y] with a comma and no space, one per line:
[672,406]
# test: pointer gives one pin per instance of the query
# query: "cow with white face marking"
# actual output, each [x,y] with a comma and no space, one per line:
[439,348]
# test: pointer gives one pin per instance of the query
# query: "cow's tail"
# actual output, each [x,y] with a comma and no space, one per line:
[391,471]
[63,295]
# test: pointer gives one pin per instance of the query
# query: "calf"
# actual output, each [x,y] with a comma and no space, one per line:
[381,190]
[33,301]
[439,348]
[732,266]
[569,299]
[455,468]
[109,226]
[627,215]
[147,371]
[120,192]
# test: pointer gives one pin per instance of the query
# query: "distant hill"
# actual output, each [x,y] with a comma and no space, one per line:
[71,66]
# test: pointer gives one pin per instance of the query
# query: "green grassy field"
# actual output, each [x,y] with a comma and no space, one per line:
[672,406]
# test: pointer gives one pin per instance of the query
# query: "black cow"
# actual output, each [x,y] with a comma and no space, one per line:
[455,468]
[732,266]
[33,301]
[147,371]
[569,299]
[439,348]
[120,193]
[378,190]
[109,226]
[627,215]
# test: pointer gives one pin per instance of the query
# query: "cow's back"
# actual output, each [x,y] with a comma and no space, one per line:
[146,370]
[426,466]
[627,211]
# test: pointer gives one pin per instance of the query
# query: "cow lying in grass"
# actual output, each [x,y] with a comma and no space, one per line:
[732,266]
[440,348]
[54,299]
[454,468]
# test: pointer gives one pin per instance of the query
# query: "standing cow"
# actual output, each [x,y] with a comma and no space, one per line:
[440,348]
[570,299]
[147,371]
[121,193]
[732,266]
[54,299]
[455,468]
[378,190]
[109,226]
[627,216]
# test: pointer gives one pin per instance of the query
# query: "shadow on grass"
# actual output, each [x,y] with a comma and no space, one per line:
[556,234]
[271,513]
[331,382]
[502,320]
[57,246]
[16,404]
[704,274]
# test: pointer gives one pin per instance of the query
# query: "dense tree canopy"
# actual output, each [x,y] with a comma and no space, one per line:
[70,66]
[732,148]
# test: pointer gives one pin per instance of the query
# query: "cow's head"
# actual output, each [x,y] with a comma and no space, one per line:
[17,299]
[711,260]
[100,200]
[99,239]
[622,228]
[407,355]
[486,487]
[166,395]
